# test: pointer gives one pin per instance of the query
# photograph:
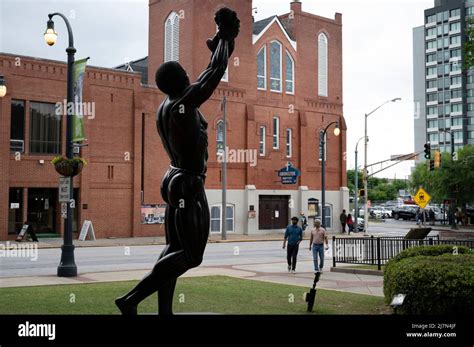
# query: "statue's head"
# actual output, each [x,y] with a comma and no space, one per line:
[171,78]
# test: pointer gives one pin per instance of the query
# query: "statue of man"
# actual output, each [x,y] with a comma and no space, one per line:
[183,131]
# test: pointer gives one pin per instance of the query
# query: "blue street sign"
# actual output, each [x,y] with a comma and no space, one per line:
[289,174]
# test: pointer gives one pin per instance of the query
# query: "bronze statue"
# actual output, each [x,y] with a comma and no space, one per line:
[183,131]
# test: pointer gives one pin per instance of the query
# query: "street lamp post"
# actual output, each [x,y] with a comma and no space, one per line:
[337,131]
[366,178]
[356,193]
[67,266]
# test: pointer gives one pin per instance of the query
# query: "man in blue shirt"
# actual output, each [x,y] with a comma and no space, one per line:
[294,235]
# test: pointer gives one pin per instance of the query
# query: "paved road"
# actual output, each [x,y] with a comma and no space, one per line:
[392,227]
[102,259]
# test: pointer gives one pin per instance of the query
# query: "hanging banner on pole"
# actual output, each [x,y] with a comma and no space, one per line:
[78,85]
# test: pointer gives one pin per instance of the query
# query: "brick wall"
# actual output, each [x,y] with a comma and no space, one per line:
[121,103]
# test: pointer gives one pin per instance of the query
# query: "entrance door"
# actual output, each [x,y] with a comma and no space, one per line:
[42,210]
[273,212]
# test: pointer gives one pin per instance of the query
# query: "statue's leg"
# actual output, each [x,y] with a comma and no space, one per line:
[192,228]
[172,245]
[166,292]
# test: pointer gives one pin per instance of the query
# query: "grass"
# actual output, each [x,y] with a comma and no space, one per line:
[218,294]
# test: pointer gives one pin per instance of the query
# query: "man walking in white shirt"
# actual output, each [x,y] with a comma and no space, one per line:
[316,244]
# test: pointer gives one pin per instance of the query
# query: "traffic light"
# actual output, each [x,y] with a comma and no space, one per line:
[361,192]
[432,165]
[428,151]
[437,159]
[365,174]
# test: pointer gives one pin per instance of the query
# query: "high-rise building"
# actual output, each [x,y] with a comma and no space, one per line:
[443,89]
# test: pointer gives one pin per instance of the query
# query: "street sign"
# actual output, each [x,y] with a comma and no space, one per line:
[22,233]
[64,189]
[422,198]
[64,210]
[86,227]
[289,174]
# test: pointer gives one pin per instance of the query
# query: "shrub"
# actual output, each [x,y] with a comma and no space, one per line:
[431,251]
[438,284]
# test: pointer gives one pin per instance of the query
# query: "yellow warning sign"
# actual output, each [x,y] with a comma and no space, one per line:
[422,198]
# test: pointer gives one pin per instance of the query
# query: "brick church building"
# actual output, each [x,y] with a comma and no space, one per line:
[283,86]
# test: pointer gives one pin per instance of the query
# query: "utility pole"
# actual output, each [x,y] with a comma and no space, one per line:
[224,172]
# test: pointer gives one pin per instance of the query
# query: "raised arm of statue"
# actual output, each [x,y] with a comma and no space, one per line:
[222,47]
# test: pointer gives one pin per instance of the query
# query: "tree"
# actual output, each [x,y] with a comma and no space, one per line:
[379,188]
[469,45]
[451,176]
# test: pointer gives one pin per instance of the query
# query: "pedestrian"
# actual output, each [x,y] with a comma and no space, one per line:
[294,235]
[316,245]
[459,216]
[432,216]
[343,219]
[350,223]
[419,217]
[304,221]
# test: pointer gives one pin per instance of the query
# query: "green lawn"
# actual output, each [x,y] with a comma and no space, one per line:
[217,294]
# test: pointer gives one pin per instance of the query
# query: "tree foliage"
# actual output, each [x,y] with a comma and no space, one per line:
[380,189]
[451,176]
[469,45]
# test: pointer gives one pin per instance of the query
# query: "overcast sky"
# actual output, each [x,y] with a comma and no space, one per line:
[377,54]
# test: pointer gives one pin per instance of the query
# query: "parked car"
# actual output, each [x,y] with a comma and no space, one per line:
[439,214]
[380,212]
[406,212]
[387,212]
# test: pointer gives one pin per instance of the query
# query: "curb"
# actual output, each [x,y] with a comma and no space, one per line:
[357,271]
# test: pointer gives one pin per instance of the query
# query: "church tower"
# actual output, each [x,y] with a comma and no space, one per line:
[178,30]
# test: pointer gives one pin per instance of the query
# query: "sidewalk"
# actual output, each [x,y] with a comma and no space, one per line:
[268,272]
[213,238]
[157,240]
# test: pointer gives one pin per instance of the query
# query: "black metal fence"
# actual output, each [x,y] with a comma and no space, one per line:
[379,250]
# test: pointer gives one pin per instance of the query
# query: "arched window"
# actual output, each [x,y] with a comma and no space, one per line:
[172,37]
[220,137]
[262,68]
[290,73]
[322,65]
[275,66]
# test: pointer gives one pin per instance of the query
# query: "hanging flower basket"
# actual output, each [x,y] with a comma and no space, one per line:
[68,167]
